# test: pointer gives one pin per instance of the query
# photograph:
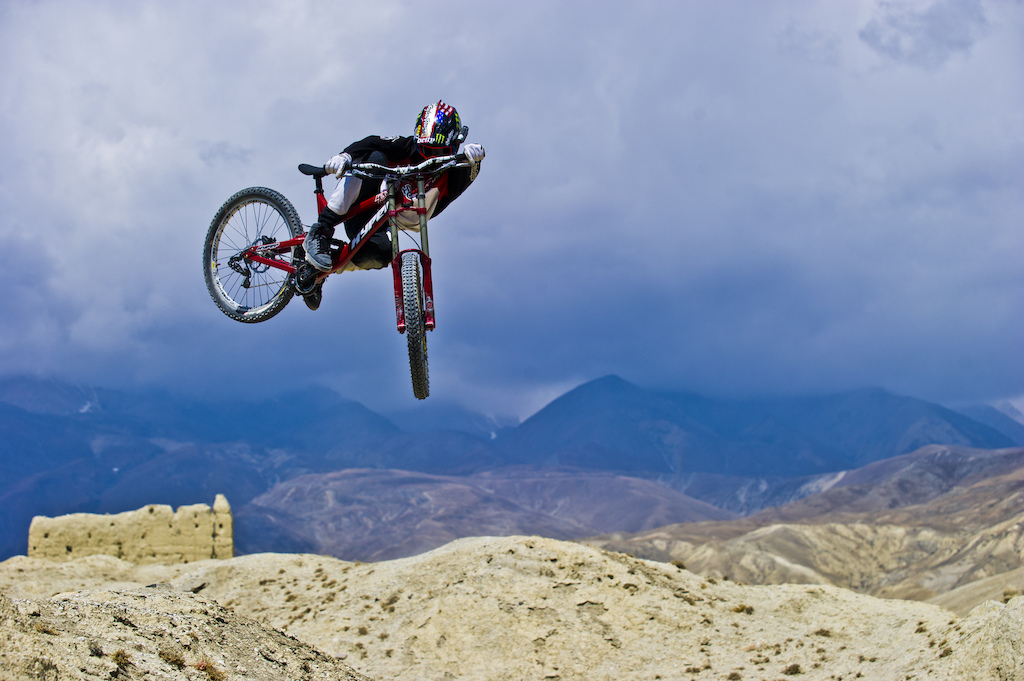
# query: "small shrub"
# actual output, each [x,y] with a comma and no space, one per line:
[823,632]
[744,609]
[44,628]
[172,657]
[94,649]
[792,670]
[214,674]
[121,658]
[679,564]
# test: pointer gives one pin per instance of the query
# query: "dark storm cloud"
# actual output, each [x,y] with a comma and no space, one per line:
[746,198]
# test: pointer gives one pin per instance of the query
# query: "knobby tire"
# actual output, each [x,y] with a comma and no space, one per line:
[415,328]
[251,215]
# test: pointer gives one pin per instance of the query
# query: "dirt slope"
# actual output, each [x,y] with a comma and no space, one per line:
[532,608]
[149,633]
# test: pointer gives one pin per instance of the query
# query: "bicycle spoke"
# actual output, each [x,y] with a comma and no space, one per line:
[248,290]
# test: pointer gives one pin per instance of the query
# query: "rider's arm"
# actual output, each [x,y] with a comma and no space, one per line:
[396,149]
[455,182]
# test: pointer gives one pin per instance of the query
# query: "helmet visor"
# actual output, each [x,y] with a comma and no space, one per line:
[431,150]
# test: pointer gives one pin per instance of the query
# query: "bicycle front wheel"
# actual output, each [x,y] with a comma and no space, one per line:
[415,328]
[244,290]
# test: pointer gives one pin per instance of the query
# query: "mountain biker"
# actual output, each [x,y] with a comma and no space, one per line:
[438,132]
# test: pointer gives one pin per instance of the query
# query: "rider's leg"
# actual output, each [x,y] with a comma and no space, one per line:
[376,251]
[315,295]
[349,191]
[318,241]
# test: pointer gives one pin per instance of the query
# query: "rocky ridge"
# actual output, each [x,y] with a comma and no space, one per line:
[496,609]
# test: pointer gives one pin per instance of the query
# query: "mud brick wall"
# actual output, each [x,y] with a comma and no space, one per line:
[152,534]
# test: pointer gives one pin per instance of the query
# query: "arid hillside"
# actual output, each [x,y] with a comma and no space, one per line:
[919,526]
[481,608]
[369,515]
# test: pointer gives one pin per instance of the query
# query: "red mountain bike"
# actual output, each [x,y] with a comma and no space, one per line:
[254,256]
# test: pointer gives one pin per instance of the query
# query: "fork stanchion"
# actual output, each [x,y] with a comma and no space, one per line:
[396,261]
[421,208]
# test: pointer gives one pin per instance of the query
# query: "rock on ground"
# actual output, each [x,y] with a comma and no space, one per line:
[531,608]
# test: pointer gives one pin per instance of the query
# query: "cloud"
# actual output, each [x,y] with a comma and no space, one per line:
[686,194]
[819,46]
[925,36]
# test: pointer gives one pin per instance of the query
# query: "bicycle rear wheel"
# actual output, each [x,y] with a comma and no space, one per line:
[244,290]
[415,328]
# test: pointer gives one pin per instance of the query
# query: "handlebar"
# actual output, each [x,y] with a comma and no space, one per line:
[428,168]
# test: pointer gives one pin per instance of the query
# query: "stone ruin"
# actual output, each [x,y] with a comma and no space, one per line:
[152,534]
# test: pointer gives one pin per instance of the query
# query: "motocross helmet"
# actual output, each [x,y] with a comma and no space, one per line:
[439,132]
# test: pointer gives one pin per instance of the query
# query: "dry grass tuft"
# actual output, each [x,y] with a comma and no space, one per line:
[214,674]
[172,657]
[121,658]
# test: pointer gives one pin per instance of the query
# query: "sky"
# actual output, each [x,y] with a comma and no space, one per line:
[732,198]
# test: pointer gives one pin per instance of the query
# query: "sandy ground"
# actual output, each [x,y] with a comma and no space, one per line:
[506,608]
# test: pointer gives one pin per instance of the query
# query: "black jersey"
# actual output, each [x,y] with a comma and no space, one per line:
[401,151]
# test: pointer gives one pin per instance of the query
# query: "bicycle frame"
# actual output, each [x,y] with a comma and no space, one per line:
[388,207]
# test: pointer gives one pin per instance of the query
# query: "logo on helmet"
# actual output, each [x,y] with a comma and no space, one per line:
[438,129]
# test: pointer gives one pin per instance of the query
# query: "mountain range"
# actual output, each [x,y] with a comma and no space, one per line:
[567,470]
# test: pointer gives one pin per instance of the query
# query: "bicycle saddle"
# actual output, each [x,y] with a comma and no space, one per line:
[315,171]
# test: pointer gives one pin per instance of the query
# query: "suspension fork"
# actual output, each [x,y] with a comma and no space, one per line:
[424,255]
[428,279]
[396,265]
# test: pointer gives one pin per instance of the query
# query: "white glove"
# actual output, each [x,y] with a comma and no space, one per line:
[474,153]
[338,165]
